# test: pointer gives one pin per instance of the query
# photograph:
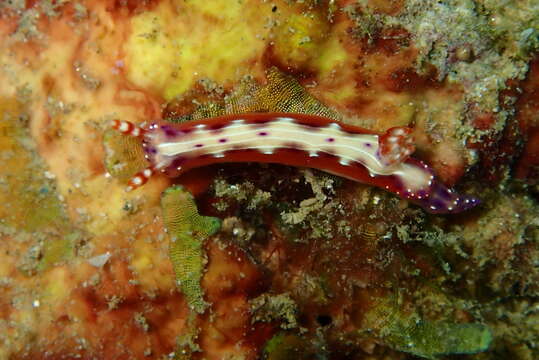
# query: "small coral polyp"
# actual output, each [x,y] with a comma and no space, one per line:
[297,140]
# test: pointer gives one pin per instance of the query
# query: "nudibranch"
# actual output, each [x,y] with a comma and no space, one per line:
[297,140]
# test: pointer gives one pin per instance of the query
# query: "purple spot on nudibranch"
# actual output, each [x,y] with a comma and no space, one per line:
[223,140]
[368,145]
[263,133]
[169,130]
[330,139]
[199,145]
[149,149]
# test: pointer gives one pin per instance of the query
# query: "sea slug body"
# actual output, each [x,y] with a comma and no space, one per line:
[297,140]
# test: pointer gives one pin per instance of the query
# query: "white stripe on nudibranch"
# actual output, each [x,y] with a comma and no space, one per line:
[286,133]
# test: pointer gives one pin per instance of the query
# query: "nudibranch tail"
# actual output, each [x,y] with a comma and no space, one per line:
[128,128]
[396,145]
[442,200]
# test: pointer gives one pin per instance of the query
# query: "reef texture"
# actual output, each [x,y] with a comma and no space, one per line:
[250,261]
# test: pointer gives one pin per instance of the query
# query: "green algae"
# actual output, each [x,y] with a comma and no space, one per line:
[284,346]
[433,339]
[31,209]
[281,93]
[428,339]
[58,250]
[187,230]
[28,197]
[268,308]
